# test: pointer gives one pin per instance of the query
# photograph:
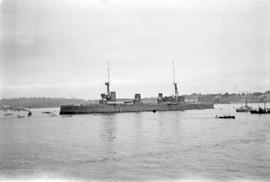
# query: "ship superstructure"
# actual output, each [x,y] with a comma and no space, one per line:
[111,95]
[174,99]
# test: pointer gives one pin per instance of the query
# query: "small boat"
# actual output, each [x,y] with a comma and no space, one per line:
[20,116]
[225,117]
[8,114]
[47,112]
[244,108]
[53,115]
[29,114]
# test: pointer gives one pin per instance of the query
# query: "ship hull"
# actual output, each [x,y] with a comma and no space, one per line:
[120,108]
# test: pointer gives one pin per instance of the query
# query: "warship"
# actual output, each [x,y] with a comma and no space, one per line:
[109,103]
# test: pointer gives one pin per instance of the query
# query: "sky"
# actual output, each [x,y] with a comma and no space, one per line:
[60,48]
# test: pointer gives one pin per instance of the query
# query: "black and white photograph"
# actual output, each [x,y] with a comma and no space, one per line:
[135,90]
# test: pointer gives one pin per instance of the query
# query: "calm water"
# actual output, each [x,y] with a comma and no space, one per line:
[137,146]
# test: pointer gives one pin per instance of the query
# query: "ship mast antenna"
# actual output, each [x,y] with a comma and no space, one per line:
[108,82]
[174,83]
[173,72]
[108,71]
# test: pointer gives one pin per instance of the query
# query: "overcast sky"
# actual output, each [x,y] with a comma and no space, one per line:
[60,48]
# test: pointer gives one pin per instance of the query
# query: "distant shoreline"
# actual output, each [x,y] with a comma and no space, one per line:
[50,107]
[45,102]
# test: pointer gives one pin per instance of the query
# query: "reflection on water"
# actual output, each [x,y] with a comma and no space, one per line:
[138,130]
[108,135]
[137,146]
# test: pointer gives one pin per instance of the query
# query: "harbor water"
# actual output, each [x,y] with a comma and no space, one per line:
[171,145]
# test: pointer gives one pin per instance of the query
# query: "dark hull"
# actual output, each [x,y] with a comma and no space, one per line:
[260,112]
[120,108]
[243,110]
[226,117]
